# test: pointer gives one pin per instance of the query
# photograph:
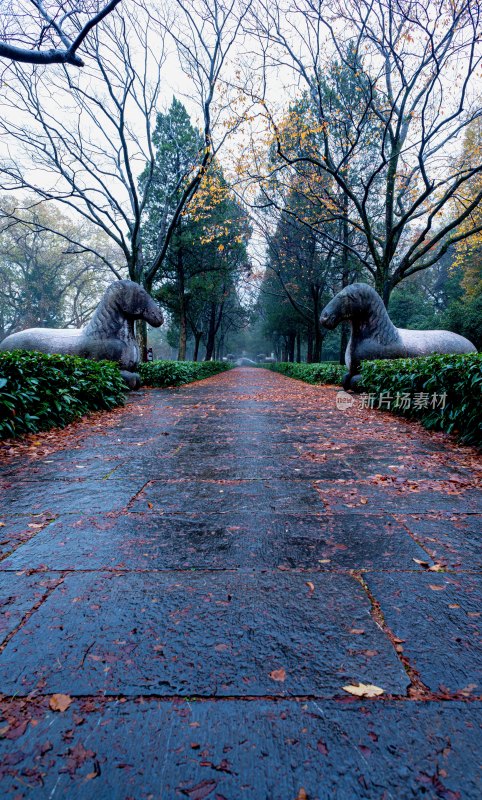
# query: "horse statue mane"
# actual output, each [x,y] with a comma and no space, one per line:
[108,335]
[374,336]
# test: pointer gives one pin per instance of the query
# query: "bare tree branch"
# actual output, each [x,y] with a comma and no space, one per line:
[67,55]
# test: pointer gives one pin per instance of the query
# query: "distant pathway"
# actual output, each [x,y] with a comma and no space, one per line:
[188,584]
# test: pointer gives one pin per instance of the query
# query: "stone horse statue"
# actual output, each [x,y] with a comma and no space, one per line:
[109,334]
[373,334]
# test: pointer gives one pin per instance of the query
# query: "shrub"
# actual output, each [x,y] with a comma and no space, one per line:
[39,391]
[457,377]
[175,373]
[324,372]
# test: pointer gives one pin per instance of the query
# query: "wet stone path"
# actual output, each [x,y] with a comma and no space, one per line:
[187,585]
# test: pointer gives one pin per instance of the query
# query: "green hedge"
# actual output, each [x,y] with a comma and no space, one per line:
[39,391]
[176,373]
[459,377]
[324,372]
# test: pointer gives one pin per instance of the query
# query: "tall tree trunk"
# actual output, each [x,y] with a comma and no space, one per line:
[141,336]
[220,349]
[317,344]
[211,333]
[318,338]
[309,346]
[345,276]
[197,342]
[141,328]
[298,347]
[291,347]
[382,284]
[181,356]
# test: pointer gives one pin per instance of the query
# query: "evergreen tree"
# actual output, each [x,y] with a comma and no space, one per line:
[208,246]
[177,147]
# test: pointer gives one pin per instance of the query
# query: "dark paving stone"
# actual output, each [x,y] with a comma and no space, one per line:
[438,618]
[70,465]
[218,541]
[228,497]
[201,633]
[348,541]
[453,540]
[253,750]
[403,496]
[18,594]
[17,530]
[135,542]
[83,495]
[373,457]
[221,464]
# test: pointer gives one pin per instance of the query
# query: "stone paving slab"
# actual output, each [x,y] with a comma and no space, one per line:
[18,595]
[195,463]
[402,497]
[85,495]
[146,541]
[227,497]
[232,750]
[437,617]
[453,540]
[211,634]
[66,466]
[17,530]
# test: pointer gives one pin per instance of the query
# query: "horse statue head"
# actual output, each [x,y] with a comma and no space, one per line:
[122,303]
[358,303]
[134,302]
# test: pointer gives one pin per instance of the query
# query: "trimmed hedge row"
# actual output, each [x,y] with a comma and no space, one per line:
[175,373]
[455,381]
[39,391]
[324,372]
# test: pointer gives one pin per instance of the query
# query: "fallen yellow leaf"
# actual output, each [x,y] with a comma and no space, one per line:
[364,690]
[278,675]
[311,586]
[436,588]
[60,702]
